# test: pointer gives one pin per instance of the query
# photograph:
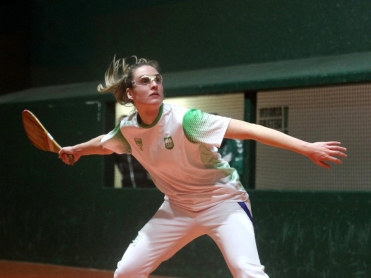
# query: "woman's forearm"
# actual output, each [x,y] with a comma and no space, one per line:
[245,131]
[91,147]
[318,152]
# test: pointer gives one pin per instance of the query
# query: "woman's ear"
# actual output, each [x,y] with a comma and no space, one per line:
[129,94]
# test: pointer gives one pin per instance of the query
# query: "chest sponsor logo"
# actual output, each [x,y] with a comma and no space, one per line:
[139,143]
[169,144]
[128,123]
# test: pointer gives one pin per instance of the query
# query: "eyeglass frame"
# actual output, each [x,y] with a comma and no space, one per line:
[151,79]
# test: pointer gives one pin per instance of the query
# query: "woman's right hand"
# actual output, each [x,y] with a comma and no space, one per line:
[68,155]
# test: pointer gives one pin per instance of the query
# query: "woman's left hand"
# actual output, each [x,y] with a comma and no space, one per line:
[332,151]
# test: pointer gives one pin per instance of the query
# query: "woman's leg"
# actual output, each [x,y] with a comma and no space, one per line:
[167,232]
[232,230]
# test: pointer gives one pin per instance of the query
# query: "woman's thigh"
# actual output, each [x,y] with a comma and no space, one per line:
[164,234]
[233,231]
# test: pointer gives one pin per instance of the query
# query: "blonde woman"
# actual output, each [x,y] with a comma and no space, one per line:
[178,147]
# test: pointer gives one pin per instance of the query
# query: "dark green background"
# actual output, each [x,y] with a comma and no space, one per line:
[53,213]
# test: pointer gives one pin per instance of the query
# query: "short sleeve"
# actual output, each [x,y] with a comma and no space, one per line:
[201,127]
[116,142]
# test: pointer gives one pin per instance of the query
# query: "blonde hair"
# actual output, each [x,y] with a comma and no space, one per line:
[119,77]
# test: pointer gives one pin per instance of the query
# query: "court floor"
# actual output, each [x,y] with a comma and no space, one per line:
[12,269]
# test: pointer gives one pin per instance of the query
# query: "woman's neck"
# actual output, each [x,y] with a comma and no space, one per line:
[148,115]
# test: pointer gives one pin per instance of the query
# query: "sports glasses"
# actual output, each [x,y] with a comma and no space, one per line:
[148,79]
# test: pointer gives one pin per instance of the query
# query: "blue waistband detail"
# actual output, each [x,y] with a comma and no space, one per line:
[246,209]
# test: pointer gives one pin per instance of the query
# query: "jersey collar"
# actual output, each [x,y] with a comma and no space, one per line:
[141,124]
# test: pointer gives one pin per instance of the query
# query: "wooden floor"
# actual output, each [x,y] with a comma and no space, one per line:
[11,269]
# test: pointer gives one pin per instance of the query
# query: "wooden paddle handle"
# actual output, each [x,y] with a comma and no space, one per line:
[72,159]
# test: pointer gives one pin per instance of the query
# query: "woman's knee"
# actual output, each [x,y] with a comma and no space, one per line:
[129,271]
[243,268]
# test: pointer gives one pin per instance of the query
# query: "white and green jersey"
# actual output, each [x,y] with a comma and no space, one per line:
[179,151]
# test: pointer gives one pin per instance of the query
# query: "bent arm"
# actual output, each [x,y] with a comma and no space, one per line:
[318,152]
[91,147]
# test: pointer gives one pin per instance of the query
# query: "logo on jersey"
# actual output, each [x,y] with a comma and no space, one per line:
[139,143]
[169,144]
[128,123]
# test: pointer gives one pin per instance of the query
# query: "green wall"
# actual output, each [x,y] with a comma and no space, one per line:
[74,41]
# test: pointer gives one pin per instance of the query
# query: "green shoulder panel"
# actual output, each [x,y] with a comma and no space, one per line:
[196,125]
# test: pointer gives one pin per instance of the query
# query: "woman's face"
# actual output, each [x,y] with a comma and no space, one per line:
[147,87]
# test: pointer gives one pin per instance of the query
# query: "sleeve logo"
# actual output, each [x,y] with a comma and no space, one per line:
[139,143]
[169,144]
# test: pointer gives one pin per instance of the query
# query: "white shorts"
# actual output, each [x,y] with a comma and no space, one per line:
[172,227]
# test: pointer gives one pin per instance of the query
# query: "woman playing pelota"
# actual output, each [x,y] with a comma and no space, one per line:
[178,147]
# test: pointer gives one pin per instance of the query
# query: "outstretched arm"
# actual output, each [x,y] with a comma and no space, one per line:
[90,147]
[318,152]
